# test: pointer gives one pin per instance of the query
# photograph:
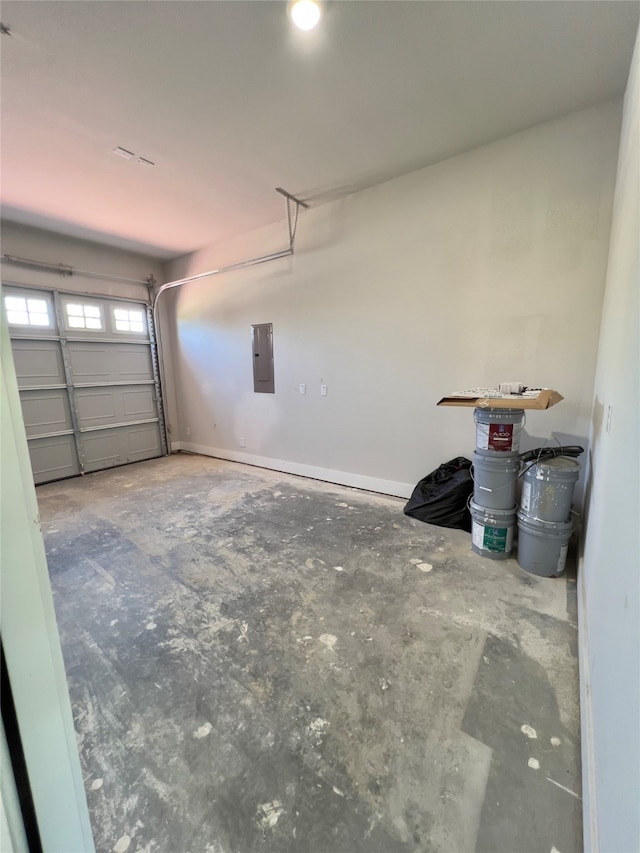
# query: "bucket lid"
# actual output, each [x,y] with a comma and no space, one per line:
[503,416]
[546,527]
[557,468]
[493,459]
[498,514]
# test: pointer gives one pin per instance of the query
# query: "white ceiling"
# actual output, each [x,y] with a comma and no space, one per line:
[230,102]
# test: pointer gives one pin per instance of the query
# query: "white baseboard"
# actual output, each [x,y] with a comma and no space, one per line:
[342,478]
[591,842]
[176,446]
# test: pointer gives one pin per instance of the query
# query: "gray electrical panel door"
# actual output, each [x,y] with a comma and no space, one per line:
[88,381]
[262,347]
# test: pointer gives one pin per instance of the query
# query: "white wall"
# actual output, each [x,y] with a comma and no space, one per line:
[609,578]
[36,244]
[486,267]
[39,245]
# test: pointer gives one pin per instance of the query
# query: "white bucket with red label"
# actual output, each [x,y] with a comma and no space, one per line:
[498,430]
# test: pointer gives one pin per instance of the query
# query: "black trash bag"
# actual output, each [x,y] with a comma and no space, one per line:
[441,497]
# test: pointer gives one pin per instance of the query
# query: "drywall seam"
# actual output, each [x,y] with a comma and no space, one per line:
[589,800]
[342,478]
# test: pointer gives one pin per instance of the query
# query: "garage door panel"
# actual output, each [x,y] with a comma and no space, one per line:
[38,363]
[46,411]
[136,364]
[119,445]
[101,450]
[139,402]
[104,362]
[53,458]
[89,395]
[95,407]
[87,363]
[144,441]
[114,405]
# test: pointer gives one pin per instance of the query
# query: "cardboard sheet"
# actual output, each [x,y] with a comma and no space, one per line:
[491,398]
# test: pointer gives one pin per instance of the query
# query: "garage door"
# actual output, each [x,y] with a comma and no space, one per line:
[88,380]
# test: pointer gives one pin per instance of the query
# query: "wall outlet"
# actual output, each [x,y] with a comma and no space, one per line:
[242,442]
[303,388]
[323,390]
[187,431]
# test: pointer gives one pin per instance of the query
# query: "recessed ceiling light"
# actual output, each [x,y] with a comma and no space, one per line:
[305,14]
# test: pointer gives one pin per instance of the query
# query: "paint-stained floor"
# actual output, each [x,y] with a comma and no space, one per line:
[259,662]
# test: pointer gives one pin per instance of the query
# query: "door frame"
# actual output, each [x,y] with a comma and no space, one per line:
[31,642]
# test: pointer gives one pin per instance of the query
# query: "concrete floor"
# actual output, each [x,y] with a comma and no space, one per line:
[259,662]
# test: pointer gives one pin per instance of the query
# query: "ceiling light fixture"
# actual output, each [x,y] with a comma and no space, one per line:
[129,155]
[123,152]
[305,14]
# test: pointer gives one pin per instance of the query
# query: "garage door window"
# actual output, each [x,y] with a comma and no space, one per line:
[22,311]
[128,320]
[81,316]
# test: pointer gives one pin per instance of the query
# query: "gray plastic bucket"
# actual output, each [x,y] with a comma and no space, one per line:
[494,479]
[492,531]
[547,490]
[498,430]
[543,545]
